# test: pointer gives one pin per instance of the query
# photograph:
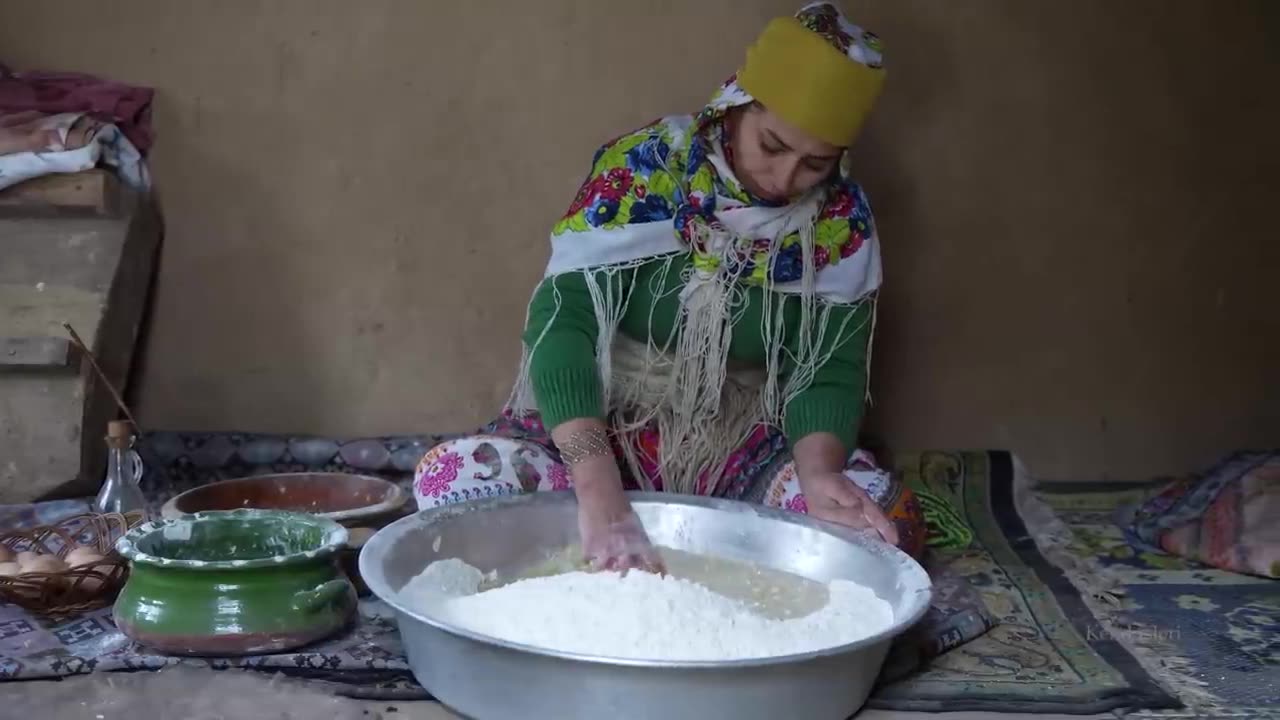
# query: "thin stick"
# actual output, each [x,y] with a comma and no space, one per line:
[103,376]
[158,466]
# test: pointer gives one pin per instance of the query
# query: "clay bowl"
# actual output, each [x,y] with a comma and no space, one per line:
[239,582]
[361,503]
[352,500]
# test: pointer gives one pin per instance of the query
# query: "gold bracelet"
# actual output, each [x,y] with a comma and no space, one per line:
[584,445]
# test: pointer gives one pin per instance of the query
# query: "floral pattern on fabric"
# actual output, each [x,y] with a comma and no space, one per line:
[515,454]
[629,183]
[824,19]
[437,470]
[485,466]
[898,502]
[797,503]
[1255,628]
[764,448]
[559,477]
[662,173]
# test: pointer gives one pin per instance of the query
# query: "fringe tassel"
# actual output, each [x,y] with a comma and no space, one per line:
[703,411]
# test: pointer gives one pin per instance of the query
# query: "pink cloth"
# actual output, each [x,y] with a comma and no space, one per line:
[126,106]
[1225,517]
[1238,531]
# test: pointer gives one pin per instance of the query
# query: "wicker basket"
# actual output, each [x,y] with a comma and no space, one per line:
[79,589]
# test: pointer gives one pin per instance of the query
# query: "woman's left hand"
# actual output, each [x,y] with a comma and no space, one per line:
[833,497]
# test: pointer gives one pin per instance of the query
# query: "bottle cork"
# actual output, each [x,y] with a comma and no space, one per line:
[119,430]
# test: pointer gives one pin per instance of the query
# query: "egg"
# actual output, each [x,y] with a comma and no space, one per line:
[9,569]
[44,564]
[25,557]
[84,556]
[6,555]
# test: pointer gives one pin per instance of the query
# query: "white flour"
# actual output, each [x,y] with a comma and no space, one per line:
[639,616]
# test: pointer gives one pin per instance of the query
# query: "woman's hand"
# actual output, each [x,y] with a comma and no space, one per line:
[833,497]
[612,536]
[830,494]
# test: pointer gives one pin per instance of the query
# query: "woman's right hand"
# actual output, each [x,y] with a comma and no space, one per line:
[613,538]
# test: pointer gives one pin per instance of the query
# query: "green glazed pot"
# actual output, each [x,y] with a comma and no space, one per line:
[234,582]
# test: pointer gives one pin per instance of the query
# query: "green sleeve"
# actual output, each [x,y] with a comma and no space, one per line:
[835,401]
[562,332]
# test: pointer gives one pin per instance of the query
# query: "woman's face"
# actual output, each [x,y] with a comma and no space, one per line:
[774,160]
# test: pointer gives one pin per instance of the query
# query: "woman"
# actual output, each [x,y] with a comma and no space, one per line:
[705,321]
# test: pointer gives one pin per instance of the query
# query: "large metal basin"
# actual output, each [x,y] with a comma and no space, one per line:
[483,677]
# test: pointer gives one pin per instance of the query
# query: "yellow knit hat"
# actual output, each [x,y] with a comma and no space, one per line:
[817,71]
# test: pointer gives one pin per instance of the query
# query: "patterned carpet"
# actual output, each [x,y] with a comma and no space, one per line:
[368,660]
[1211,636]
[1047,654]
[1072,620]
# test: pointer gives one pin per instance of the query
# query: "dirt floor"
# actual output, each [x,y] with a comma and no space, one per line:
[197,694]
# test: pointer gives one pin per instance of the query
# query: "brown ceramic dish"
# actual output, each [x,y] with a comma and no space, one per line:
[361,503]
[352,500]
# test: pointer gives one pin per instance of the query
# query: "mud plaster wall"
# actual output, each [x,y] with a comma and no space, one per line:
[1076,201]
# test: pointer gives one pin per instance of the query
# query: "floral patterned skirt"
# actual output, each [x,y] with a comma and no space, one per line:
[515,454]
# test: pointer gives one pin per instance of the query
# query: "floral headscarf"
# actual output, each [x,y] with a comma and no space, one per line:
[669,187]
[824,19]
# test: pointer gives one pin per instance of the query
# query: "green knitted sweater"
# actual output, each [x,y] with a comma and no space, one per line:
[565,379]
